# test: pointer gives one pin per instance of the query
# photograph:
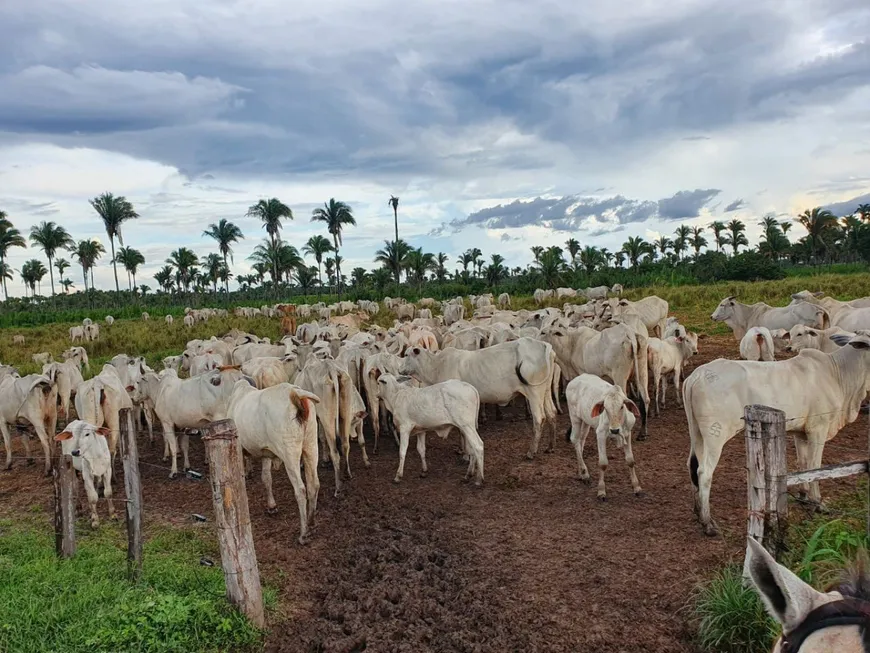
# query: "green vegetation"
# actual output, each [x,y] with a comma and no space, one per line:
[730,616]
[86,603]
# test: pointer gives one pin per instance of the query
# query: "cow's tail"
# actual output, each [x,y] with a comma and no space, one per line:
[826,319]
[335,387]
[759,340]
[520,374]
[695,443]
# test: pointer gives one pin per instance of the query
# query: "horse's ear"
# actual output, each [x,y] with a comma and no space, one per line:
[787,598]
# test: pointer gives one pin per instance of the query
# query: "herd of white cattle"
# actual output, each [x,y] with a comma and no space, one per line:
[312,391]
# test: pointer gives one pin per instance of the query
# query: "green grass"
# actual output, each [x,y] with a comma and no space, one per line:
[730,616]
[86,603]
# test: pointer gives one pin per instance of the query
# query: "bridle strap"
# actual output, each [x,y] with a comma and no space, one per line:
[844,612]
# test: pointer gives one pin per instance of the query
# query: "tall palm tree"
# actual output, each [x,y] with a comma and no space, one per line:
[663,244]
[619,258]
[550,266]
[476,259]
[697,240]
[336,215]
[537,250]
[163,277]
[392,257]
[573,247]
[61,265]
[88,252]
[5,272]
[271,212]
[590,258]
[212,267]
[393,202]
[114,212]
[417,264]
[718,228]
[32,273]
[818,222]
[465,259]
[185,263]
[358,277]
[329,266]
[9,237]
[225,233]
[380,278]
[281,259]
[737,237]
[317,246]
[681,241]
[864,211]
[440,269]
[131,259]
[305,277]
[50,237]
[634,248]
[67,284]
[496,271]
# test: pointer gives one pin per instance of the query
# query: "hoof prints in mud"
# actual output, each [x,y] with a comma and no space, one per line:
[401,591]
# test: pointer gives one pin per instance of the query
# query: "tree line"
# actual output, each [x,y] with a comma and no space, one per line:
[276,263]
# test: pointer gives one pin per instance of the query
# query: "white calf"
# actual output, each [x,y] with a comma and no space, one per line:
[667,357]
[593,402]
[76,334]
[89,449]
[757,344]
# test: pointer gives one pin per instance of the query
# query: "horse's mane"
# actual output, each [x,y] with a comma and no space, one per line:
[855,580]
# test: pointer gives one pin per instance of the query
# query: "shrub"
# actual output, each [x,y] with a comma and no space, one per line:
[752,266]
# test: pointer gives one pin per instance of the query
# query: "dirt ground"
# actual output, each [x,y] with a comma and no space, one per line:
[532,561]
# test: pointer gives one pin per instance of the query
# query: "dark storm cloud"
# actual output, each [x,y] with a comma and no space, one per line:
[739,203]
[686,203]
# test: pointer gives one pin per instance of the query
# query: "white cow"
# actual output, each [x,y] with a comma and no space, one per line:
[500,373]
[652,310]
[593,402]
[825,340]
[76,334]
[77,355]
[757,345]
[173,362]
[189,321]
[438,407]
[329,381]
[204,363]
[169,320]
[541,296]
[68,377]
[145,317]
[279,422]
[598,292]
[251,350]
[373,367]
[453,313]
[100,399]
[87,446]
[819,393]
[191,403]
[109,320]
[740,317]
[271,371]
[43,358]
[666,358]
[31,399]
[17,339]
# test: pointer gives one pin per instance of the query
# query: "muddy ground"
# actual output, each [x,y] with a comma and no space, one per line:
[532,561]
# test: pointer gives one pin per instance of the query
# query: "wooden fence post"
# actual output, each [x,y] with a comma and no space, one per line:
[133,489]
[767,476]
[238,558]
[64,507]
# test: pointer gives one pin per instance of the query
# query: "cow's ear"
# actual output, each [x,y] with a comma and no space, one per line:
[786,336]
[104,431]
[632,407]
[63,435]
[215,380]
[130,388]
[812,333]
[597,409]
[416,351]
[679,338]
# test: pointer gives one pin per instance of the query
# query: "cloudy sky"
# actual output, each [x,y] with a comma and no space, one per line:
[500,124]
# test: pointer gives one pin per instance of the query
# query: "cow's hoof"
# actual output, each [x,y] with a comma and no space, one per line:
[602,498]
[47,472]
[95,523]
[642,437]
[530,456]
[30,461]
[173,476]
[165,459]
[397,480]
[478,482]
[272,511]
[821,508]
[423,474]
[639,493]
[113,517]
[710,530]
[303,540]
[584,480]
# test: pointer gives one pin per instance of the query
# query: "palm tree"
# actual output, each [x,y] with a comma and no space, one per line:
[270,212]
[305,277]
[336,215]
[590,257]
[225,233]
[358,277]
[818,222]
[163,277]
[864,211]
[32,273]
[114,212]
[393,202]
[681,242]
[466,259]
[550,266]
[280,259]
[185,263]
[380,278]
[5,272]
[392,256]
[476,259]
[737,236]
[634,248]
[417,264]
[852,226]
[573,247]
[329,266]
[61,265]
[131,259]
[9,237]
[606,256]
[664,244]
[496,271]
[212,267]
[67,284]
[619,258]
[88,252]
[317,246]
[718,228]
[50,237]
[537,250]
[440,270]
[697,241]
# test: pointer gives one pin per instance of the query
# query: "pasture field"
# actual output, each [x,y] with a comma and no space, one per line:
[531,561]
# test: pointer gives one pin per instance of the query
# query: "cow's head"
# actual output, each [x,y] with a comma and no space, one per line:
[725,310]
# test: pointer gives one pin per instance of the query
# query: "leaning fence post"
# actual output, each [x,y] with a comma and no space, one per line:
[133,490]
[64,476]
[238,558]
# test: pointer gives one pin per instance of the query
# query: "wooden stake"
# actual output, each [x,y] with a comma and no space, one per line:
[64,507]
[756,489]
[238,558]
[775,476]
[133,488]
